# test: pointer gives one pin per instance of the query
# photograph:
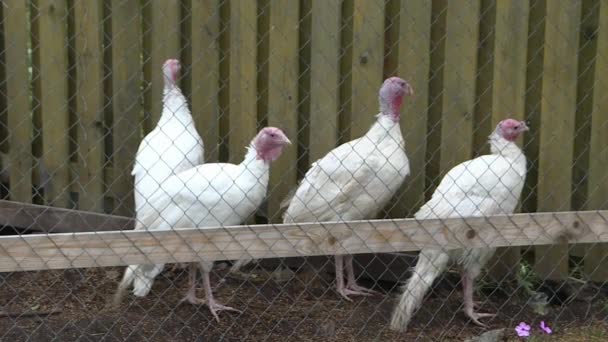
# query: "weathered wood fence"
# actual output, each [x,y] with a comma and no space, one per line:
[80,85]
[121,248]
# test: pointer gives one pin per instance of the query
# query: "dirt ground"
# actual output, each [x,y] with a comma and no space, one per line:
[302,309]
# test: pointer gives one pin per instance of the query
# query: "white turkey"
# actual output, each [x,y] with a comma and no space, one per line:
[209,195]
[357,179]
[485,186]
[172,146]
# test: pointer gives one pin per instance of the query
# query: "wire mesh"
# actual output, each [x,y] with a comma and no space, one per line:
[124,115]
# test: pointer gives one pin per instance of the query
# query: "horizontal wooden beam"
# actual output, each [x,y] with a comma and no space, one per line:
[116,248]
[57,220]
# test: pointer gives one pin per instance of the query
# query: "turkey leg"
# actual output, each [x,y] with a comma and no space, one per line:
[351,288]
[351,283]
[469,304]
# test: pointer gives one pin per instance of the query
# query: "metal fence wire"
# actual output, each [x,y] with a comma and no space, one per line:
[271,170]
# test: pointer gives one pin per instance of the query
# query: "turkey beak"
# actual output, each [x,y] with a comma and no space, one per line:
[410,90]
[286,140]
[525,125]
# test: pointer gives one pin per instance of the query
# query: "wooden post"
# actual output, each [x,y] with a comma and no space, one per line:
[20,123]
[53,73]
[324,78]
[283,71]
[596,259]
[558,110]
[243,78]
[127,95]
[90,103]
[459,77]
[411,57]
[205,73]
[366,58]
[162,41]
[508,94]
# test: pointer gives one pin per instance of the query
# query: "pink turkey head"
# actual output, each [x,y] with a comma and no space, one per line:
[171,69]
[391,96]
[269,143]
[510,129]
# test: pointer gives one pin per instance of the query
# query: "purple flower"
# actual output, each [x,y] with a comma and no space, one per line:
[545,328]
[523,329]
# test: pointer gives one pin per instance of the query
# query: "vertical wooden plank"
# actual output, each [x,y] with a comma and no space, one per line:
[205,73]
[90,103]
[162,39]
[534,72]
[482,120]
[413,64]
[366,59]
[54,98]
[509,93]
[510,51]
[4,133]
[558,112]
[459,77]
[126,98]
[584,108]
[20,123]
[433,132]
[324,77]
[243,79]
[596,259]
[283,67]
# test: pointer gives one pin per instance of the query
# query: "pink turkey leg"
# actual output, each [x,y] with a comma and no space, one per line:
[351,283]
[469,305]
[191,294]
[214,306]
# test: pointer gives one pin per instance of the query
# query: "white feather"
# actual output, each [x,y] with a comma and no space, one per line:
[355,180]
[209,195]
[173,146]
[485,186]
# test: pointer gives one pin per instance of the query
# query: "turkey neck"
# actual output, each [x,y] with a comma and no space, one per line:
[175,107]
[503,147]
[384,127]
[255,167]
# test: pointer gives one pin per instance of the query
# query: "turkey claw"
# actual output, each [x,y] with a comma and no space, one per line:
[345,292]
[357,288]
[475,316]
[191,299]
[215,307]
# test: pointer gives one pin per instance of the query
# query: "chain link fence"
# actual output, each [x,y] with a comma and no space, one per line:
[118,119]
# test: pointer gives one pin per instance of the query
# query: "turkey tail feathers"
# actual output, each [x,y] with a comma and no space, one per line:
[431,264]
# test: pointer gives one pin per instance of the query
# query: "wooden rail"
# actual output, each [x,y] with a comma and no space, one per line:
[115,248]
[58,220]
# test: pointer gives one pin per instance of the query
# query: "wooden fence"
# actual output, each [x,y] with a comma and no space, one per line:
[121,248]
[81,84]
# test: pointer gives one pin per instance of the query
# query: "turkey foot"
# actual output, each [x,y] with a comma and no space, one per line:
[191,298]
[475,316]
[354,287]
[215,307]
[351,289]
[346,291]
[351,282]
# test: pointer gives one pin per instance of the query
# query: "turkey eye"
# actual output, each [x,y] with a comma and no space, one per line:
[272,135]
[516,127]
